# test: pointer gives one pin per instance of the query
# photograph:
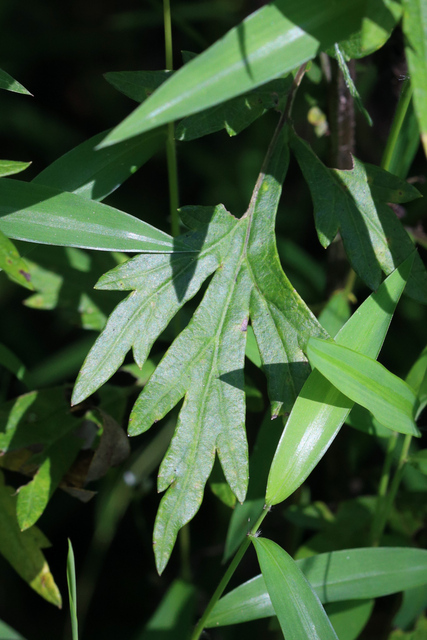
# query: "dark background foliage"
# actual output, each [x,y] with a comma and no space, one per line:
[60,52]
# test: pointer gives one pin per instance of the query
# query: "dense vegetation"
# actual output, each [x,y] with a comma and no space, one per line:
[239,344]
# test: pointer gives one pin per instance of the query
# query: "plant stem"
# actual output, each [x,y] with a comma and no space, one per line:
[285,116]
[402,107]
[228,575]
[170,142]
[389,499]
[184,534]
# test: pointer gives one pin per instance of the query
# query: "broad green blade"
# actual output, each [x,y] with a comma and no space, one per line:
[95,173]
[415,29]
[367,382]
[296,605]
[321,409]
[23,550]
[269,43]
[36,213]
[12,263]
[10,167]
[10,84]
[336,576]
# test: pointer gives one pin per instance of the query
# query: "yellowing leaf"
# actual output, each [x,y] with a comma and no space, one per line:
[23,549]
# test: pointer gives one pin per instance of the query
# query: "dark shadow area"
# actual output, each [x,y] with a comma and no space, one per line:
[102,170]
[184,264]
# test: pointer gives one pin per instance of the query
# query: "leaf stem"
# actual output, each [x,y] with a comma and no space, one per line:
[284,117]
[402,107]
[228,575]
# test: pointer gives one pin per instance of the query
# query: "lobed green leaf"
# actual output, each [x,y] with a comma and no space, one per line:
[373,237]
[205,362]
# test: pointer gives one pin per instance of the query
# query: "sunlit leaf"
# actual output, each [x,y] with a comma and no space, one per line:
[350,83]
[321,409]
[10,167]
[36,213]
[54,463]
[269,43]
[336,576]
[205,362]
[366,382]
[415,29]
[7,633]
[294,601]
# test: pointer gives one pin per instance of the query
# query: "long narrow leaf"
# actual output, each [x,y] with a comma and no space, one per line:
[367,382]
[72,590]
[36,213]
[336,576]
[321,409]
[269,43]
[10,84]
[415,29]
[294,601]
